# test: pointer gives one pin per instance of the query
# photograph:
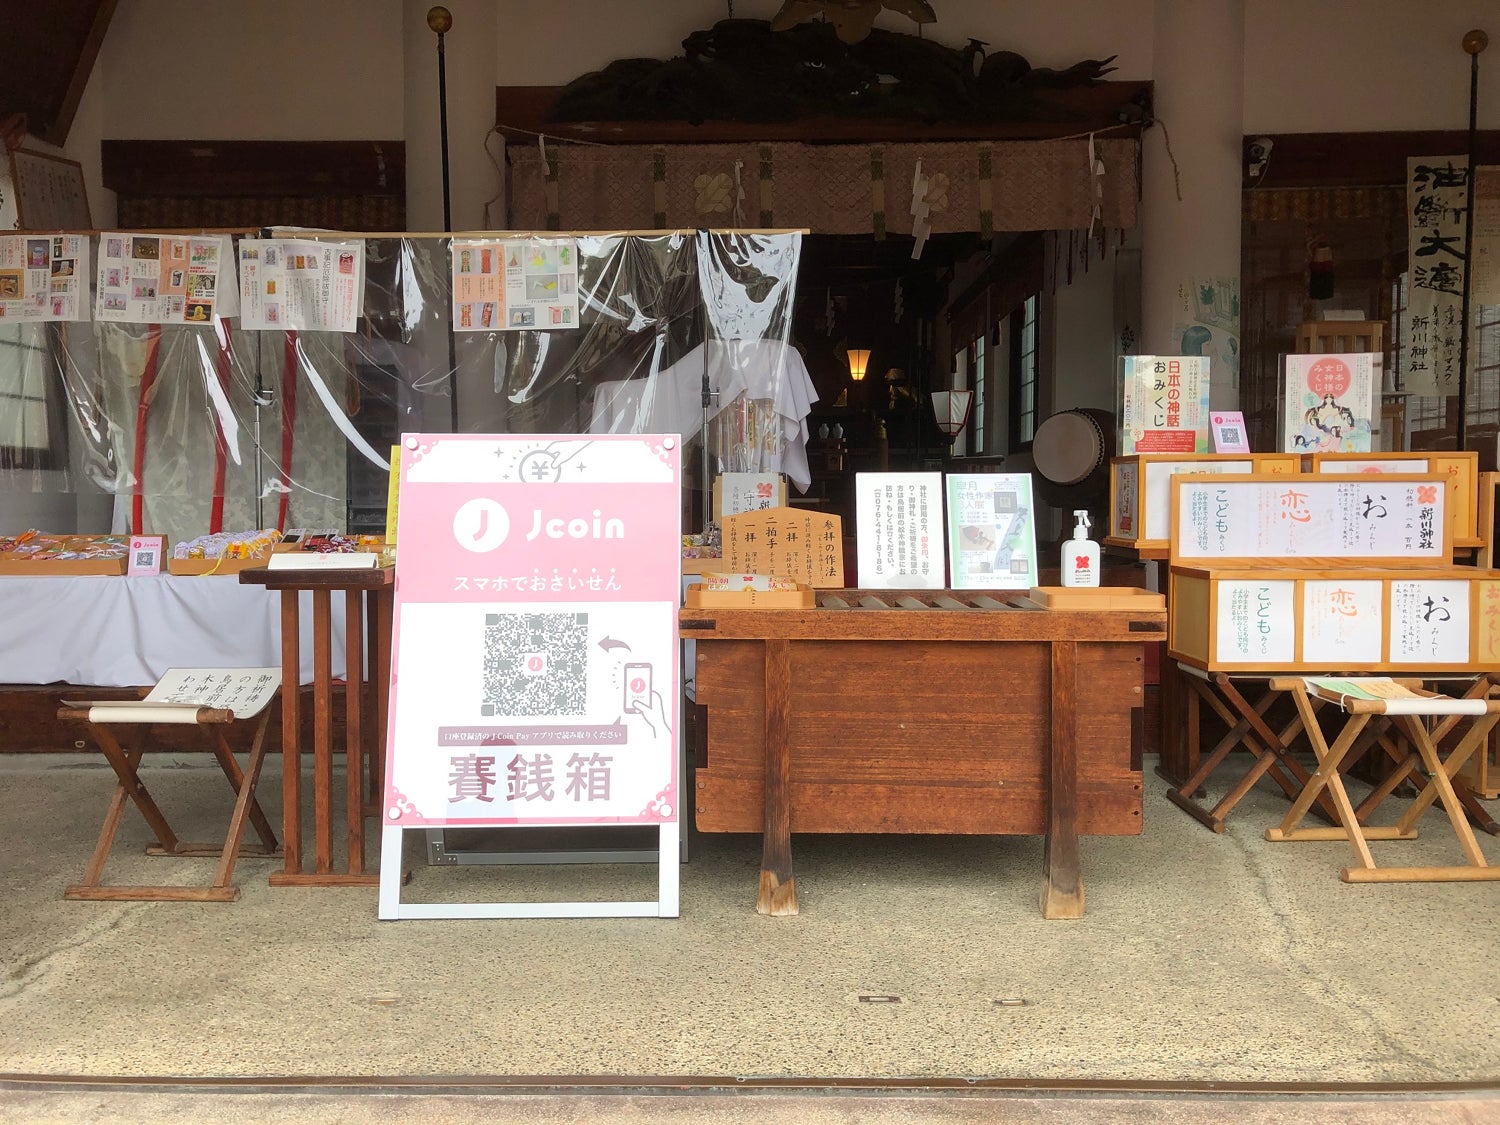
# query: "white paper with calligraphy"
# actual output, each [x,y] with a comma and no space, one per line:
[535,670]
[44,277]
[791,542]
[1342,623]
[1436,199]
[899,530]
[1126,499]
[165,279]
[1159,474]
[1367,517]
[181,691]
[302,284]
[747,492]
[1255,622]
[992,531]
[1163,404]
[515,284]
[1484,285]
[1429,622]
[1329,402]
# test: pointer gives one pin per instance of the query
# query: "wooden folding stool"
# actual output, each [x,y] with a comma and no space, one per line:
[101,717]
[1248,728]
[1407,710]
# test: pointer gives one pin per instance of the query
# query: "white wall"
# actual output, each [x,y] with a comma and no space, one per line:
[1329,66]
[270,70]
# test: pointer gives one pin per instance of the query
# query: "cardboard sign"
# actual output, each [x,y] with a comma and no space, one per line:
[535,675]
[146,553]
[1229,433]
[789,542]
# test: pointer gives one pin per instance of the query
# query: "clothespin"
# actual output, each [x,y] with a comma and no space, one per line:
[920,227]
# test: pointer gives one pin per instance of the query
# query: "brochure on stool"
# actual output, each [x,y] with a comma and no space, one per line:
[181,691]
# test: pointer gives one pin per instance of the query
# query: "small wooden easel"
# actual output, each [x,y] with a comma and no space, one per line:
[170,701]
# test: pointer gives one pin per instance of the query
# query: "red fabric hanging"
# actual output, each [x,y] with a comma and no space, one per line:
[142,412]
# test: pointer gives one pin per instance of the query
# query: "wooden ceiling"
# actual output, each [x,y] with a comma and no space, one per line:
[47,51]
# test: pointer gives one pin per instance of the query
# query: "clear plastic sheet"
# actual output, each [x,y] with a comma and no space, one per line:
[199,428]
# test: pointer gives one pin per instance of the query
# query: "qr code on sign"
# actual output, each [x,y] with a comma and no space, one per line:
[1230,435]
[535,664]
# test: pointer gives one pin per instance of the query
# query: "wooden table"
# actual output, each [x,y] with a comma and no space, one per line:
[921,711]
[369,595]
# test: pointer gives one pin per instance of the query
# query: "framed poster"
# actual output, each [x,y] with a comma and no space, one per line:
[49,192]
[991,531]
[534,675]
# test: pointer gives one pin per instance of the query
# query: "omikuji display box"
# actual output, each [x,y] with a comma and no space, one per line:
[1311,520]
[1334,620]
[40,554]
[1462,467]
[1140,492]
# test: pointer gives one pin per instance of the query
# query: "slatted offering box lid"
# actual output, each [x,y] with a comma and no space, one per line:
[1227,619]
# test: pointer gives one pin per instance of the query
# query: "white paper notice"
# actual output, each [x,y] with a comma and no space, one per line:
[44,277]
[899,526]
[515,284]
[1341,623]
[1159,476]
[165,279]
[1344,517]
[1430,622]
[296,283]
[1255,623]
[750,492]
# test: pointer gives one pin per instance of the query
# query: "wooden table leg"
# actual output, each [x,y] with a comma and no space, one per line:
[354,742]
[291,735]
[1062,887]
[323,731]
[385,604]
[778,886]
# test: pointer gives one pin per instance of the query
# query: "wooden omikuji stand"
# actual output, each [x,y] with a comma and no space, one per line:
[923,712]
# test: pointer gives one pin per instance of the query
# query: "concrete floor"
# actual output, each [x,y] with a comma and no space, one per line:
[1202,959]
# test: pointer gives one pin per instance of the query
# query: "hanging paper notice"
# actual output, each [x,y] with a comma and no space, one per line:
[899,530]
[1484,286]
[992,531]
[1342,623]
[165,279]
[297,283]
[1163,404]
[1329,402]
[1437,189]
[44,278]
[515,284]
[1371,517]
[535,671]
[790,542]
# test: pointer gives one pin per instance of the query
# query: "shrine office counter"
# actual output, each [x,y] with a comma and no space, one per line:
[118,631]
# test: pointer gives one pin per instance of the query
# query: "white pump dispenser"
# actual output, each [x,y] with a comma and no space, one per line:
[1080,554]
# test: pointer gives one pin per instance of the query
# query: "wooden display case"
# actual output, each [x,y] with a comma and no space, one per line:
[1347,619]
[14,564]
[1140,495]
[1462,467]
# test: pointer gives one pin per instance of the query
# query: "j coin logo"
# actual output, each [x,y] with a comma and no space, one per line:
[481,525]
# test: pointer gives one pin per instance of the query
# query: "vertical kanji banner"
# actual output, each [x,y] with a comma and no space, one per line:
[1437,190]
[535,666]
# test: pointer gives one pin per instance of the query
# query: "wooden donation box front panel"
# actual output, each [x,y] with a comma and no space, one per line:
[930,711]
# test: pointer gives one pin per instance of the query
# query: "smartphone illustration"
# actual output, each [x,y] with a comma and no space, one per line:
[637,688]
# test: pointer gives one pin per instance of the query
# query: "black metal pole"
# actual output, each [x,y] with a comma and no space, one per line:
[440,20]
[1474,42]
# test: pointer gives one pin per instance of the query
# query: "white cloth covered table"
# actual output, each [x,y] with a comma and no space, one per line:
[108,631]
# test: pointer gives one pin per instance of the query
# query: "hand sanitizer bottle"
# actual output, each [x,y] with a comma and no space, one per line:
[1080,554]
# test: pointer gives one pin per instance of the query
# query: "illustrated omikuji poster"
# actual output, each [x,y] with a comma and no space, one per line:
[1329,402]
[1255,621]
[1163,404]
[899,530]
[165,279]
[535,669]
[991,531]
[1437,190]
[44,277]
[302,284]
[1346,517]
[515,284]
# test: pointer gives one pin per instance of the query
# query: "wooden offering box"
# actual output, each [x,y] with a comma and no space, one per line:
[923,711]
[1140,490]
[1463,468]
[1344,619]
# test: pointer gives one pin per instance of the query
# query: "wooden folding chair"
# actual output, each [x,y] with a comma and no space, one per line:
[1407,709]
[101,717]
